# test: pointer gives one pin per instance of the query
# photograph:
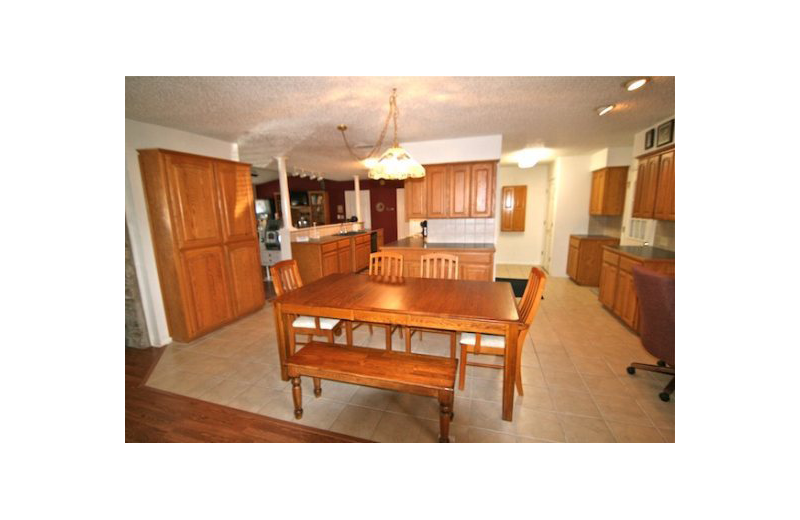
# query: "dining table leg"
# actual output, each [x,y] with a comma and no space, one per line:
[510,361]
[280,329]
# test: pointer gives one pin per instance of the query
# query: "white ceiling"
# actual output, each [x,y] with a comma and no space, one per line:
[297,116]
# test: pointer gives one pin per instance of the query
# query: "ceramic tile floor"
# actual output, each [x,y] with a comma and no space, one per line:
[575,384]
[512,271]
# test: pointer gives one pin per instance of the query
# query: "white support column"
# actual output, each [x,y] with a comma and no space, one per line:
[356,183]
[286,213]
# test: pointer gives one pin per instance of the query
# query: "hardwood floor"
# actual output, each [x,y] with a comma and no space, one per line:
[156,416]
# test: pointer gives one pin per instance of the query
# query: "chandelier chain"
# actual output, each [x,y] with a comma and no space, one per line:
[391,115]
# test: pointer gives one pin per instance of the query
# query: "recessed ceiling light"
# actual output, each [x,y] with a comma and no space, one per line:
[635,83]
[601,111]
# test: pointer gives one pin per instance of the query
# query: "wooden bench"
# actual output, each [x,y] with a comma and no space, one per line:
[411,373]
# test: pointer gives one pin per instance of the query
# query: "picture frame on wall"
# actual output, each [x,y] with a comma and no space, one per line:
[649,138]
[666,133]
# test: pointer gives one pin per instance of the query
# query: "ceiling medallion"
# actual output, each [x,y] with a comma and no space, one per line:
[395,163]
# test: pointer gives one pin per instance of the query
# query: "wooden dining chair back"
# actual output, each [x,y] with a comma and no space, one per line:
[443,266]
[440,265]
[476,343]
[285,276]
[386,264]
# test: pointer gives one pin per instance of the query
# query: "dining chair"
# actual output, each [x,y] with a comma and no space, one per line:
[286,278]
[385,264]
[442,266]
[656,293]
[477,343]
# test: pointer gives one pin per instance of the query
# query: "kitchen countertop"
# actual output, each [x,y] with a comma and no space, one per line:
[417,242]
[643,252]
[331,238]
[594,237]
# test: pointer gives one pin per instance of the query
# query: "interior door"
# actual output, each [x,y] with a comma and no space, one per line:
[549,222]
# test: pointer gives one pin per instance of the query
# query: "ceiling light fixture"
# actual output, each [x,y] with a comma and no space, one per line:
[528,157]
[601,111]
[395,163]
[635,83]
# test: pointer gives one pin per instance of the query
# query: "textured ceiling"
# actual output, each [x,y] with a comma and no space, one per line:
[297,116]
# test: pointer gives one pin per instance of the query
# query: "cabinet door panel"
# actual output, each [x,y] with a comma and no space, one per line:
[646,186]
[236,193]
[362,256]
[596,201]
[416,198]
[330,263]
[345,262]
[480,272]
[665,191]
[459,177]
[412,269]
[246,281]
[437,188]
[482,190]
[572,263]
[608,284]
[507,210]
[194,204]
[207,284]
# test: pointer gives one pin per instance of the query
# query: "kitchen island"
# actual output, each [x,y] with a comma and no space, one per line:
[475,261]
[338,253]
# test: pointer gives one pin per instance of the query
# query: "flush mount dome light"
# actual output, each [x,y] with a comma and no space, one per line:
[601,111]
[635,83]
[528,157]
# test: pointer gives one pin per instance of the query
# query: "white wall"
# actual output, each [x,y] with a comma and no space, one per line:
[574,189]
[483,148]
[523,247]
[138,136]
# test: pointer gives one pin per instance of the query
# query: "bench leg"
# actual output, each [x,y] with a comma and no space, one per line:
[297,396]
[445,414]
[317,387]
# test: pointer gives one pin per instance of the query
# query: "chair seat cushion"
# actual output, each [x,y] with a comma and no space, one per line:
[307,322]
[487,340]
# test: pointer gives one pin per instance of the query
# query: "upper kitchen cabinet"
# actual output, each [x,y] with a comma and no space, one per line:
[482,190]
[458,190]
[512,213]
[202,221]
[416,198]
[655,186]
[459,179]
[608,191]
[437,191]
[665,190]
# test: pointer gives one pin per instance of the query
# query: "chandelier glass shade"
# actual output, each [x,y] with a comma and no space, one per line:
[395,163]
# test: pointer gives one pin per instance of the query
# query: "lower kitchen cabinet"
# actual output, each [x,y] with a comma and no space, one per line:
[334,254]
[585,257]
[473,263]
[617,290]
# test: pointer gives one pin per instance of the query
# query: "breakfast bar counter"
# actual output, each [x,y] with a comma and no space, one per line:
[476,260]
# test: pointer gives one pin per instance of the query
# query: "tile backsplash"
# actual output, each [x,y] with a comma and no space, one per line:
[463,230]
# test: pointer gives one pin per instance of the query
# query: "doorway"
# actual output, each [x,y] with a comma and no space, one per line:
[549,221]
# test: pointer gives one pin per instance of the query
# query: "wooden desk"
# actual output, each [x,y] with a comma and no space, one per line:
[458,305]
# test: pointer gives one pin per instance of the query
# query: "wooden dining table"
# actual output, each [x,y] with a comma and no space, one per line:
[456,305]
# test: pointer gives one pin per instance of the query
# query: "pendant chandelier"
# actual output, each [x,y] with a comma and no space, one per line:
[395,163]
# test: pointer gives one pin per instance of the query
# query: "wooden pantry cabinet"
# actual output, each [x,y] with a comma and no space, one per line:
[203,227]
[457,190]
[617,290]
[655,186]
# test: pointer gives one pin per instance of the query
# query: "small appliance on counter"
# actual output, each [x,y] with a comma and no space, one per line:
[424,226]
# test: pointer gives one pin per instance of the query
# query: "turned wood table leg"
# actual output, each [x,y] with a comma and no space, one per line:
[445,414]
[297,396]
[317,386]
[348,332]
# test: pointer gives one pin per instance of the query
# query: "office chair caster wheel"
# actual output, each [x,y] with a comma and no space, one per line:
[664,397]
[631,370]
[661,363]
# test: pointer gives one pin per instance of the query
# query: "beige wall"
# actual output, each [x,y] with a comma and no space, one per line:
[523,247]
